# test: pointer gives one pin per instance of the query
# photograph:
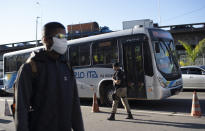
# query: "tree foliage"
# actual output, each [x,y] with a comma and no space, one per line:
[193,53]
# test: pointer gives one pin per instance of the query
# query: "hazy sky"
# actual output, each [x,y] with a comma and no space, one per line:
[18,17]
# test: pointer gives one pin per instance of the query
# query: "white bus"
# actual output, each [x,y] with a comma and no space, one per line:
[146,55]
[11,64]
[1,75]
[1,69]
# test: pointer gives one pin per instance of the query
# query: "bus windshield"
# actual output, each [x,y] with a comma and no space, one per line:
[165,56]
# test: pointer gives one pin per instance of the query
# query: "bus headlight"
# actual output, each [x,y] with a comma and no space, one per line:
[162,83]
[5,78]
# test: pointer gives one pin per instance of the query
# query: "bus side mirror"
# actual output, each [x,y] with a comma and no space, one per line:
[203,73]
[157,49]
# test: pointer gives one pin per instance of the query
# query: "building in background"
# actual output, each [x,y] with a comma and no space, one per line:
[189,33]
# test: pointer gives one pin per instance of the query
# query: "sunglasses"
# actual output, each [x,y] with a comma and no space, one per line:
[61,36]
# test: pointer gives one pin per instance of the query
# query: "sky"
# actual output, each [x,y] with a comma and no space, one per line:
[18,17]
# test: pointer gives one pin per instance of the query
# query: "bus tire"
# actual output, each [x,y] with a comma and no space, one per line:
[107,98]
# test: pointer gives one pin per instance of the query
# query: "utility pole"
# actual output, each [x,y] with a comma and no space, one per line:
[37,30]
[160,22]
[37,22]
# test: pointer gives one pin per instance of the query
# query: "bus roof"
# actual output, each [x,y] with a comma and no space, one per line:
[139,30]
[22,51]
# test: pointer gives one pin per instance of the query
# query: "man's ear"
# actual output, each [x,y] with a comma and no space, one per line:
[48,41]
[43,39]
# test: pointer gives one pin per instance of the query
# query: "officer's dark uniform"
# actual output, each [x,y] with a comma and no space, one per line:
[120,93]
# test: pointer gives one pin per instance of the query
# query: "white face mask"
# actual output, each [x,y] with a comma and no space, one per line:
[59,45]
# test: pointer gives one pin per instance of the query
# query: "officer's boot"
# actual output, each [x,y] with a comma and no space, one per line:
[112,117]
[129,116]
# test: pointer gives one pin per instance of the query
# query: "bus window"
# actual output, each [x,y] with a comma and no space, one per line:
[10,65]
[21,59]
[74,55]
[80,55]
[18,61]
[105,52]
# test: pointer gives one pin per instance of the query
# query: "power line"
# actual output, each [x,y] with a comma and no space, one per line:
[193,11]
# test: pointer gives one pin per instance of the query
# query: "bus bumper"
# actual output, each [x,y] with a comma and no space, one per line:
[176,91]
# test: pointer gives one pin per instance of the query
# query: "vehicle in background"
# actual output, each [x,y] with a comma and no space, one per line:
[146,55]
[85,29]
[12,62]
[193,77]
[1,68]
[1,83]
[1,76]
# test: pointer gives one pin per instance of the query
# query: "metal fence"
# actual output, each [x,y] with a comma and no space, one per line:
[199,61]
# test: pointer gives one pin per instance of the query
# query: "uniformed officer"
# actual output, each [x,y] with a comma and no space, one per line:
[120,92]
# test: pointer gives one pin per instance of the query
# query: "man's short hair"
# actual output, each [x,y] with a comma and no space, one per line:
[116,64]
[49,30]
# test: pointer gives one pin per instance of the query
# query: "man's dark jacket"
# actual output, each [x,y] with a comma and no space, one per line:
[47,100]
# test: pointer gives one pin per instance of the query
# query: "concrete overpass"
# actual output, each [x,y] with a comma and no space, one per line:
[4,48]
[189,33]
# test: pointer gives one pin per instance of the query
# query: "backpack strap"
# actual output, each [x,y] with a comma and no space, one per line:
[33,66]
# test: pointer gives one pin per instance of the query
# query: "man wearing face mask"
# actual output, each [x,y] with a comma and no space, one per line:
[45,90]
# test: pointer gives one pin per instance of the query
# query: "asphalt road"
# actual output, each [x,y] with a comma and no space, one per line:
[180,103]
[159,115]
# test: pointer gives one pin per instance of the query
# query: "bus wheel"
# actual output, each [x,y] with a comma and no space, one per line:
[108,91]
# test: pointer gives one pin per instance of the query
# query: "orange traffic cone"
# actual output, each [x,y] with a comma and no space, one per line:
[7,110]
[95,104]
[196,110]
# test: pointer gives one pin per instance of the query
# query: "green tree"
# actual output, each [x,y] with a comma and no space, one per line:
[192,53]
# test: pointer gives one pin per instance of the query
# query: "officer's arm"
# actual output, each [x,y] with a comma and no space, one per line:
[77,120]
[117,82]
[22,96]
[118,78]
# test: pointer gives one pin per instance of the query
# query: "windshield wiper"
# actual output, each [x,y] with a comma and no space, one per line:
[171,56]
[167,50]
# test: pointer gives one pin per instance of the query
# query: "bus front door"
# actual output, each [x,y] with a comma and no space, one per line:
[133,66]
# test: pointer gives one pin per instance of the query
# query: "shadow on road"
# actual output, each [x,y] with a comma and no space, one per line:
[166,105]
[125,114]
[176,104]
[192,90]
[5,121]
[167,123]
